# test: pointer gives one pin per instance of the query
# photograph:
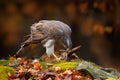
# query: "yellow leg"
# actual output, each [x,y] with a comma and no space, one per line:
[58,59]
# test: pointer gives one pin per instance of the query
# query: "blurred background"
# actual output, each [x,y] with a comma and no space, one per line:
[95,25]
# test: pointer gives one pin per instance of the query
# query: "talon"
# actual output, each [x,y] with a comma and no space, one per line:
[57,59]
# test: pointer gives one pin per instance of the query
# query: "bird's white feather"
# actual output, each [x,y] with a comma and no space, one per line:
[49,45]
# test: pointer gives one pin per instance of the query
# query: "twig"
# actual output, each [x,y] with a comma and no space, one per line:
[70,52]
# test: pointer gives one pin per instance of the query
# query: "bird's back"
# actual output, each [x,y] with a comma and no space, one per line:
[49,28]
[57,25]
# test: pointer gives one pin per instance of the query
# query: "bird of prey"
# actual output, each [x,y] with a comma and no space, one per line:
[48,32]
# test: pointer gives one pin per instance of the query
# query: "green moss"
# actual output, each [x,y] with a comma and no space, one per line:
[110,79]
[4,62]
[43,64]
[4,70]
[66,65]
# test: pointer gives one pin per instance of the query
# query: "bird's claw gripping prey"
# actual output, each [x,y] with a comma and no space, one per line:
[48,33]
